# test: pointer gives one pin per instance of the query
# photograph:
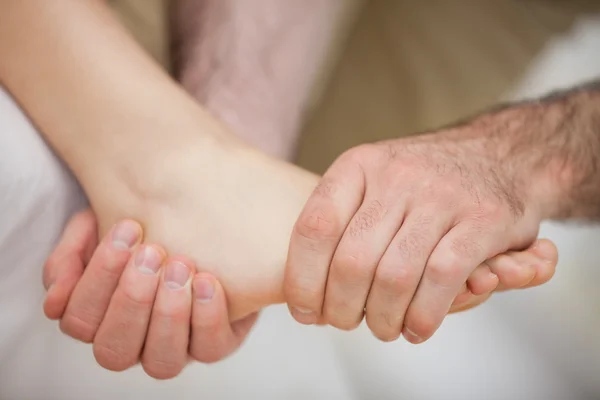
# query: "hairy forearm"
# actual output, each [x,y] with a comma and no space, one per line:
[573,159]
[101,103]
[552,147]
[253,63]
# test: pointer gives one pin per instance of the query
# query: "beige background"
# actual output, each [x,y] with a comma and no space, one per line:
[405,66]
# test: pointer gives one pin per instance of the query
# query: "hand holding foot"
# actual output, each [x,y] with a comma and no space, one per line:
[395,229]
[135,305]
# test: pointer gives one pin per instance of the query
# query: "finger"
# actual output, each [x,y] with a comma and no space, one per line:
[482,280]
[119,341]
[544,266]
[166,349]
[547,260]
[400,270]
[213,337]
[315,237]
[452,261]
[514,269]
[91,296]
[533,268]
[470,302]
[463,296]
[355,260]
[65,265]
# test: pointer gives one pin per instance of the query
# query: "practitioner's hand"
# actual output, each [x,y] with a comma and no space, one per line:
[396,229]
[134,304]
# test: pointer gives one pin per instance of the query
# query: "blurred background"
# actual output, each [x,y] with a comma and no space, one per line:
[400,67]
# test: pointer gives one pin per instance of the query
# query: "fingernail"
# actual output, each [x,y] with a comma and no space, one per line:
[304,311]
[411,336]
[148,260]
[176,275]
[125,235]
[203,290]
[304,315]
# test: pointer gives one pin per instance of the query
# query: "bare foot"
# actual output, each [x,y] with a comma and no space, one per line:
[229,208]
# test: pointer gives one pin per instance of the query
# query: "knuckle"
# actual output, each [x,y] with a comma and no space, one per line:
[318,224]
[395,280]
[468,247]
[110,266]
[361,153]
[351,267]
[171,316]
[111,357]
[78,327]
[367,218]
[489,218]
[303,292]
[160,369]
[444,272]
[326,188]
[412,246]
[444,192]
[136,297]
[492,209]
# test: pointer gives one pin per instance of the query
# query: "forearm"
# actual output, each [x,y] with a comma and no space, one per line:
[553,146]
[253,64]
[101,103]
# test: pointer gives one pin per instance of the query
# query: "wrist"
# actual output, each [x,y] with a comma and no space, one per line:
[531,170]
[557,152]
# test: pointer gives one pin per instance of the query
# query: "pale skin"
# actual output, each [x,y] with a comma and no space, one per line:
[109,139]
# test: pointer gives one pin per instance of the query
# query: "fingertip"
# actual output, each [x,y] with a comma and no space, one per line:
[543,274]
[59,293]
[484,283]
[53,307]
[125,235]
[212,336]
[514,269]
[546,250]
[207,289]
[412,337]
[209,305]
